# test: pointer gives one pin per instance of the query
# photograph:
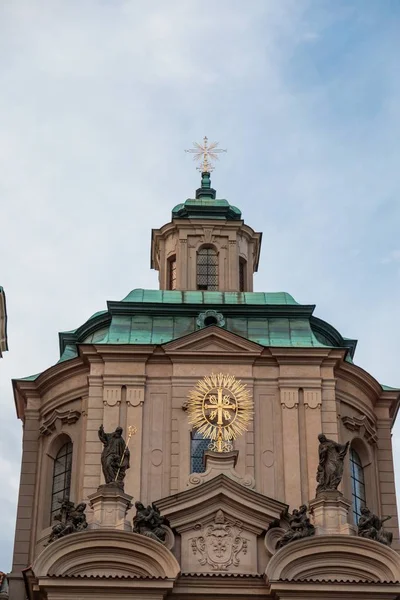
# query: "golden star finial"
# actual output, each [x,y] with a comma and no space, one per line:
[205,153]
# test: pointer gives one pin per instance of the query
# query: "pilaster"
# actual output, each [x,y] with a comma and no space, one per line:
[289,397]
[23,544]
[93,447]
[312,405]
[135,395]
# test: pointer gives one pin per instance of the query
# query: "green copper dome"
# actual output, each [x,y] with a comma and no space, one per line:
[206,205]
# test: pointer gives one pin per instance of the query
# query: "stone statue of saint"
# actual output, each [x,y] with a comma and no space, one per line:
[299,527]
[70,519]
[115,456]
[330,468]
[371,526]
[149,522]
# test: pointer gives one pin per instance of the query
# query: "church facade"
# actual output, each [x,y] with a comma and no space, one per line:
[179,520]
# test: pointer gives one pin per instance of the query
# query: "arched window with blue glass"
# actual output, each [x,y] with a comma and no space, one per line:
[198,445]
[62,470]
[357,484]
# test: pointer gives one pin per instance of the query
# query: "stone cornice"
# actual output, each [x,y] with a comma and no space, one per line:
[228,310]
[316,355]
[356,375]
[45,381]
[116,352]
[223,584]
[370,386]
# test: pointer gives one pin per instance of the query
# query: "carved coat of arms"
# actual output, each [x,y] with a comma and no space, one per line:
[219,543]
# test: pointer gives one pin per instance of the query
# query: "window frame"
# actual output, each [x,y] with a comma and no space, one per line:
[195,436]
[211,268]
[171,272]
[358,485]
[242,274]
[63,458]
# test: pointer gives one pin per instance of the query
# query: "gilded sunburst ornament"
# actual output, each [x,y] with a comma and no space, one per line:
[220,407]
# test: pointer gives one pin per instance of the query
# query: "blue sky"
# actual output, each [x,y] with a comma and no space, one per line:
[98,101]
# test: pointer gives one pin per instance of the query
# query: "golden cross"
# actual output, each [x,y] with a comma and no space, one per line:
[220,407]
[205,152]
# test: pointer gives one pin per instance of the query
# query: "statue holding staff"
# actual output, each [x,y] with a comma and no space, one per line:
[114,457]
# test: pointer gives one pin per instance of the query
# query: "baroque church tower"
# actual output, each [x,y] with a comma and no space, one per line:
[179,520]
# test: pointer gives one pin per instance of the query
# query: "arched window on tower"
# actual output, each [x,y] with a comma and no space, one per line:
[207,269]
[172,272]
[357,484]
[61,478]
[242,275]
[198,445]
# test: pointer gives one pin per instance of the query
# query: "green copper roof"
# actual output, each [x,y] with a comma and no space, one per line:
[198,297]
[206,205]
[142,329]
[159,316]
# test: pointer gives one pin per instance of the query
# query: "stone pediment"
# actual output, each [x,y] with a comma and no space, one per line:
[219,524]
[221,493]
[213,341]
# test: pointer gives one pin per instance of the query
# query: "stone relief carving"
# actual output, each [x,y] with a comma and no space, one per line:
[289,398]
[363,426]
[330,467]
[112,396]
[156,457]
[312,399]
[70,519]
[219,544]
[210,317]
[68,417]
[274,533]
[371,526]
[135,396]
[208,237]
[268,458]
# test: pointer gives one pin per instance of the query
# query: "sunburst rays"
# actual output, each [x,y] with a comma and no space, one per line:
[231,396]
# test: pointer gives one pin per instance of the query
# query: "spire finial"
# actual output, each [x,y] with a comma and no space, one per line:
[205,153]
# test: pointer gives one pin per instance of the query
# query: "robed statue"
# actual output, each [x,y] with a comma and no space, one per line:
[69,519]
[299,527]
[371,526]
[115,456]
[149,522]
[330,468]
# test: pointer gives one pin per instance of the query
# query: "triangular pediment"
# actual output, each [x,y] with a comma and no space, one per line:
[221,493]
[213,341]
[220,524]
